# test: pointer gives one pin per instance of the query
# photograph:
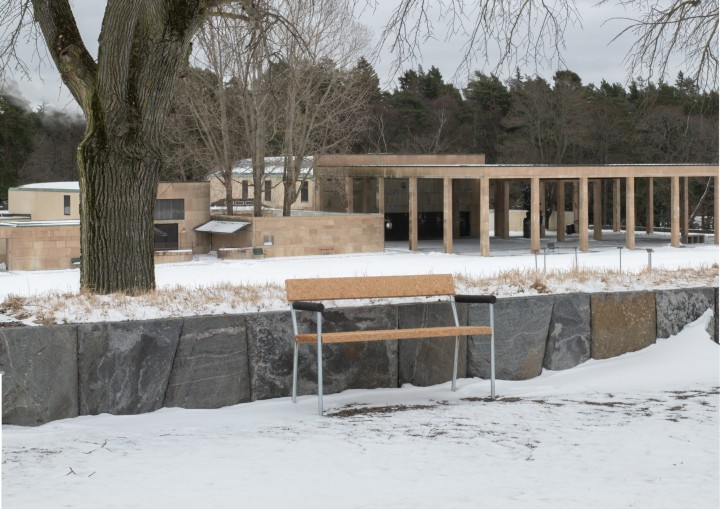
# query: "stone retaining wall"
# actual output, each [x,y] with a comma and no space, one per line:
[64,371]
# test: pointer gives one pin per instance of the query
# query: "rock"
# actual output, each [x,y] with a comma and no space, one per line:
[429,361]
[621,323]
[521,329]
[125,366]
[210,369]
[569,337]
[41,376]
[347,365]
[677,308]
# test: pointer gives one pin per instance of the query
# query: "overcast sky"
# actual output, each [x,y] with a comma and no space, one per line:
[589,52]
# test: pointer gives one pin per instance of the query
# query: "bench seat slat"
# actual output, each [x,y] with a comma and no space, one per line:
[381,335]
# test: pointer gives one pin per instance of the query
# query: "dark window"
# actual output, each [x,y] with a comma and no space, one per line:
[304,193]
[244,189]
[166,236]
[169,209]
[66,204]
[268,190]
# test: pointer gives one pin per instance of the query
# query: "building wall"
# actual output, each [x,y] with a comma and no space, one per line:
[313,235]
[217,192]
[44,204]
[40,247]
[197,212]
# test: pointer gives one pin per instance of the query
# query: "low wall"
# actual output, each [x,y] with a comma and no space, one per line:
[40,247]
[175,256]
[64,371]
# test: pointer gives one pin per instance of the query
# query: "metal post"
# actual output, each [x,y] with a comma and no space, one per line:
[649,252]
[453,387]
[295,356]
[492,351]
[620,248]
[319,363]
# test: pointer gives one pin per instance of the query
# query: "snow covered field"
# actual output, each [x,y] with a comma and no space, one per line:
[640,430]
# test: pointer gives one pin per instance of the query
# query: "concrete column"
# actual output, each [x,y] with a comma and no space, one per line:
[597,210]
[543,208]
[319,205]
[535,214]
[485,216]
[366,195]
[381,195]
[349,194]
[684,220]
[583,210]
[447,215]
[630,212]
[506,208]
[616,205]
[675,211]
[716,208]
[650,217]
[413,213]
[560,209]
[498,208]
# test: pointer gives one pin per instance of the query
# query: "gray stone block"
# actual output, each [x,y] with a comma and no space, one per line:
[124,367]
[677,308]
[361,365]
[569,336]
[621,322]
[521,329]
[41,376]
[429,361]
[210,369]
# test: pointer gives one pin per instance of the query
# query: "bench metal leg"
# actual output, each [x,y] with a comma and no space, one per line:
[295,356]
[319,363]
[492,351]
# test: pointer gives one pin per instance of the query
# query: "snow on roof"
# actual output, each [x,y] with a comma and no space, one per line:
[222,226]
[273,166]
[25,224]
[54,186]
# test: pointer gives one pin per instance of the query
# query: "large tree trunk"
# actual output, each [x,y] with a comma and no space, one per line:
[118,186]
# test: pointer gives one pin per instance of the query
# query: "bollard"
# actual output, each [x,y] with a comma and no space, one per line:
[650,252]
[620,248]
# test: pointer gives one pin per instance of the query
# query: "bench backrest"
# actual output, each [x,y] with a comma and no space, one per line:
[338,288]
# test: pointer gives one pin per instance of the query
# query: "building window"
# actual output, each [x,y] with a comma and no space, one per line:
[304,193]
[169,209]
[268,190]
[166,236]
[244,189]
[66,204]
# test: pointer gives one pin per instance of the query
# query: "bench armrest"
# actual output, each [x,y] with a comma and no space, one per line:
[308,306]
[476,299]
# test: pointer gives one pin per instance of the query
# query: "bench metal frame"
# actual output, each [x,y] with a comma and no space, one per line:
[318,309]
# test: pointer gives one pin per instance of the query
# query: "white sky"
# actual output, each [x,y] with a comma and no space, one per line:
[589,51]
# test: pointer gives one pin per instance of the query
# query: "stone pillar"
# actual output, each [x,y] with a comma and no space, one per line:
[684,220]
[349,193]
[560,209]
[447,215]
[365,195]
[584,220]
[534,214]
[413,213]
[616,205]
[319,205]
[675,211]
[506,208]
[485,216]
[543,210]
[630,212]
[650,217]
[597,210]
[381,195]
[716,208]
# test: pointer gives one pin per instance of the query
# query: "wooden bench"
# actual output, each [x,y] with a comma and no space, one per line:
[308,294]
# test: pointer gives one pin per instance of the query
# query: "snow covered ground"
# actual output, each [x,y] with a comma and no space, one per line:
[640,430]
[53,295]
